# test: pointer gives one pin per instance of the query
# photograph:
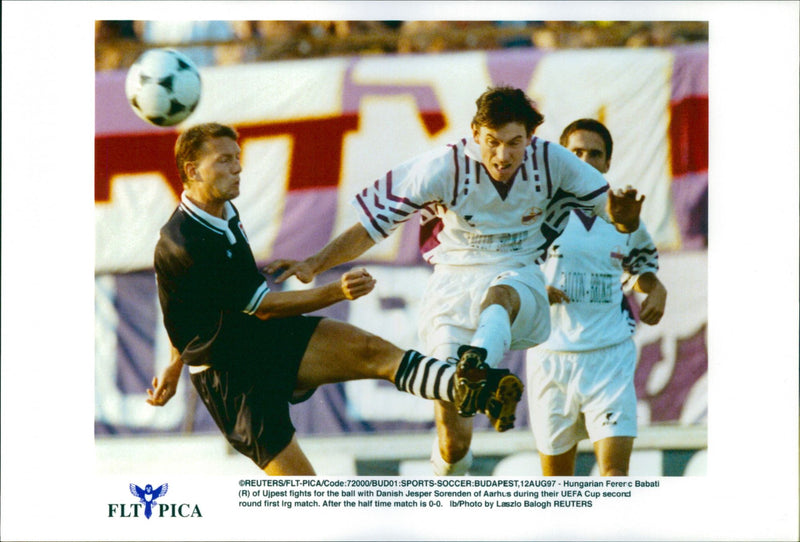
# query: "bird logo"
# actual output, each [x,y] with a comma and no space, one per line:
[148,496]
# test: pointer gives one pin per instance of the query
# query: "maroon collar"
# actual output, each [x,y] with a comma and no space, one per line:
[588,221]
[503,188]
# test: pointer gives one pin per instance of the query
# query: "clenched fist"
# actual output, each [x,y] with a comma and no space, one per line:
[356,283]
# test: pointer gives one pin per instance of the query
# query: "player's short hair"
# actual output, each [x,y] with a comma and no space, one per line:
[590,125]
[499,106]
[191,141]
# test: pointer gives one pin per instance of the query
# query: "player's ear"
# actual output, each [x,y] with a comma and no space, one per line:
[190,170]
[476,132]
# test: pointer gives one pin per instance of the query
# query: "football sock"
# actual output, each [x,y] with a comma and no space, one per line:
[425,377]
[443,468]
[493,333]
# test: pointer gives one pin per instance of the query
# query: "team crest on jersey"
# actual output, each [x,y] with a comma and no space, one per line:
[617,253]
[241,229]
[531,215]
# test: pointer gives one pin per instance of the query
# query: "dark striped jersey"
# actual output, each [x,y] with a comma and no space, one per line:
[469,219]
[207,278]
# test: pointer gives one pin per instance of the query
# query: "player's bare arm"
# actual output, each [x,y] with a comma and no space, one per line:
[164,389]
[624,208]
[656,300]
[346,247]
[352,285]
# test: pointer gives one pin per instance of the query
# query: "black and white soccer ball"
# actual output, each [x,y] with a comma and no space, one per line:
[163,86]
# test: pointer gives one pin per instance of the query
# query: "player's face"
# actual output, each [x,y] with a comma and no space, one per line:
[502,150]
[589,147]
[219,167]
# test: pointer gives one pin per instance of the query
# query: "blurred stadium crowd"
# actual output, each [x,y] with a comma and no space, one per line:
[119,43]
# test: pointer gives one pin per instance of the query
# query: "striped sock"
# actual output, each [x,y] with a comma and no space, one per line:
[425,377]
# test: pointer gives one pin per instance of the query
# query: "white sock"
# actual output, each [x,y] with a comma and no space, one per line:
[443,468]
[493,333]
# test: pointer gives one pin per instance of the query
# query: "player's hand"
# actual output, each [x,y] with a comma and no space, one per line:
[164,389]
[301,270]
[554,296]
[356,283]
[624,208]
[653,305]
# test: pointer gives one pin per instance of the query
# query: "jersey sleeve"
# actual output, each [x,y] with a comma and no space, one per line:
[400,193]
[260,291]
[642,254]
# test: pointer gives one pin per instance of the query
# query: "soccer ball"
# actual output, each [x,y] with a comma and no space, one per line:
[163,87]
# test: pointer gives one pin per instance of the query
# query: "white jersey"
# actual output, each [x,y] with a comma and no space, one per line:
[590,262]
[471,222]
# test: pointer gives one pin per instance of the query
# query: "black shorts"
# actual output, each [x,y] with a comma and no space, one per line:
[248,392]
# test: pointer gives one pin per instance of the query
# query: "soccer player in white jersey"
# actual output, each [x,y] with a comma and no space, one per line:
[580,381]
[495,201]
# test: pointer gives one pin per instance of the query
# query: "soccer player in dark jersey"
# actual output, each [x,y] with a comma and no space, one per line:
[250,351]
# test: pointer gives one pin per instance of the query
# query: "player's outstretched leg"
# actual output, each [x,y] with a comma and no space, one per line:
[495,392]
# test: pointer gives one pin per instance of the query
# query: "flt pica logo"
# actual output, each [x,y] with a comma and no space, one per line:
[148,505]
[148,497]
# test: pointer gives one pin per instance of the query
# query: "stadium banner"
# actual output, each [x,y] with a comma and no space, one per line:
[314,132]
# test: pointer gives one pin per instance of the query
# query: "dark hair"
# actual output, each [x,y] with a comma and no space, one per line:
[590,125]
[499,106]
[190,143]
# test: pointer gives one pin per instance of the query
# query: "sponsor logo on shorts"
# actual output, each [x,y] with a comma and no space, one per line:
[611,418]
[148,505]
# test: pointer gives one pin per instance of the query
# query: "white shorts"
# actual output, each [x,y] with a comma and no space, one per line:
[452,299]
[578,395]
